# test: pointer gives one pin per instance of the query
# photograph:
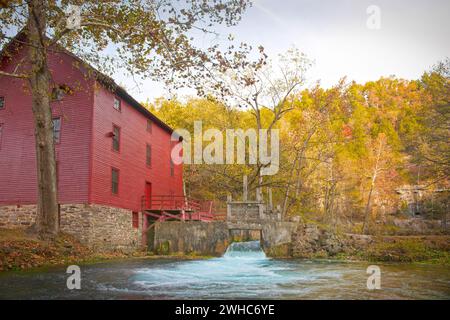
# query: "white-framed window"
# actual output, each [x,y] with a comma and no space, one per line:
[57,130]
[117,104]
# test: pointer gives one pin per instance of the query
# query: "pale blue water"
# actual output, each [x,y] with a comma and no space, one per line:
[243,272]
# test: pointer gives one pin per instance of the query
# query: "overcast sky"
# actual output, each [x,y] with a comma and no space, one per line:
[413,36]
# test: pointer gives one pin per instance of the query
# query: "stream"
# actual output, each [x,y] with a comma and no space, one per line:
[244,272]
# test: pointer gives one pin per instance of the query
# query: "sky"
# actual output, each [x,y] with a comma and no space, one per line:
[410,38]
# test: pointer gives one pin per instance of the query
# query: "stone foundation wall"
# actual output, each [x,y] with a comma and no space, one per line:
[100,227]
[17,217]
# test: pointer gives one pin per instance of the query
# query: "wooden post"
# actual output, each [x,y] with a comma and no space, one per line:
[144,227]
[258,194]
[229,199]
[269,190]
[245,191]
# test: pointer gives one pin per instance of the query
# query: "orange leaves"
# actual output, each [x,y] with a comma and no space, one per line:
[347,131]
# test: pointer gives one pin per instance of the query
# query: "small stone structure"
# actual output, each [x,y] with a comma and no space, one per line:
[213,238]
[258,215]
[246,220]
[252,210]
[102,228]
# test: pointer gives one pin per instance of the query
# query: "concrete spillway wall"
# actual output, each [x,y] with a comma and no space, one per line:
[190,237]
[213,238]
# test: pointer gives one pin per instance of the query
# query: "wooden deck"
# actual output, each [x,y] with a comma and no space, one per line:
[178,208]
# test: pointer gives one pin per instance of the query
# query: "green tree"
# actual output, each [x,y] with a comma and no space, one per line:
[433,150]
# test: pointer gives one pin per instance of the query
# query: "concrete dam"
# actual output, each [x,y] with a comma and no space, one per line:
[245,221]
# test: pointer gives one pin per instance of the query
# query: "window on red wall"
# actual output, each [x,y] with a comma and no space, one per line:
[1,134]
[2,103]
[117,104]
[114,181]
[148,155]
[116,138]
[149,125]
[135,219]
[57,130]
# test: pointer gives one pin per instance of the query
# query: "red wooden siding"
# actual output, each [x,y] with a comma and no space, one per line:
[17,155]
[131,160]
[84,155]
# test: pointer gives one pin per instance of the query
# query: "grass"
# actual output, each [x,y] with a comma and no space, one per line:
[406,249]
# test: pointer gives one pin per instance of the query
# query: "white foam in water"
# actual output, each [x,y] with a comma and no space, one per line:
[241,264]
[245,250]
[243,271]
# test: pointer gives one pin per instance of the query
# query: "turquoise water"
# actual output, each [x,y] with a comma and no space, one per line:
[243,272]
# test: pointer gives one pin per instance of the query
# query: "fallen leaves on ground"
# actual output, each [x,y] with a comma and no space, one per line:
[20,251]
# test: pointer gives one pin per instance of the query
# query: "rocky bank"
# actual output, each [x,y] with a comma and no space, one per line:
[312,241]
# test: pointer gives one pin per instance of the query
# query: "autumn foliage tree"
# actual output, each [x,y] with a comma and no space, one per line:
[345,150]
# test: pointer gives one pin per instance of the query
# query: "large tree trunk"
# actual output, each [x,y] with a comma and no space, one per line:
[47,205]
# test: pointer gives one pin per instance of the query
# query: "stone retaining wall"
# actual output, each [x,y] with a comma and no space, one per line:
[277,237]
[239,235]
[191,237]
[100,227]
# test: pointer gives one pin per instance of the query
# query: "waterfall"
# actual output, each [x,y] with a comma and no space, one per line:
[245,250]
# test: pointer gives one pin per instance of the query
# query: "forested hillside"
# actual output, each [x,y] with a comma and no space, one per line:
[350,155]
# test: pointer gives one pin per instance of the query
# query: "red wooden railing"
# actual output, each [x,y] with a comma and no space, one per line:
[171,202]
[163,207]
